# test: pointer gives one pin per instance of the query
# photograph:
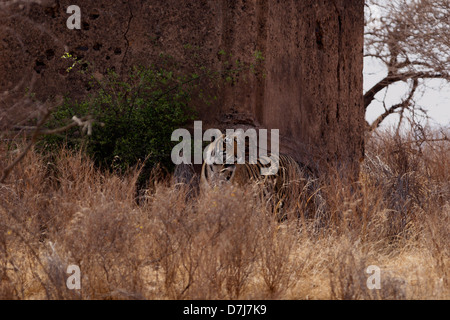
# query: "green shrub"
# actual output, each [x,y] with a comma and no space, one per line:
[134,118]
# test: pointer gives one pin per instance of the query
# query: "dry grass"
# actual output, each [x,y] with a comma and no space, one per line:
[224,244]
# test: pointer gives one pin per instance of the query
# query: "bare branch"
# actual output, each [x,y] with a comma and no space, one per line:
[34,137]
[412,39]
[393,78]
[395,108]
[85,123]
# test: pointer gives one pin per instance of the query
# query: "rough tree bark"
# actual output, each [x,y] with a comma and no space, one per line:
[313,60]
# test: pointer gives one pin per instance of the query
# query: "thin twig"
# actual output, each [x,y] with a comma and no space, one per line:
[85,122]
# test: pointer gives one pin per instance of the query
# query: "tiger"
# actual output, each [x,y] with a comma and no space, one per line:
[290,188]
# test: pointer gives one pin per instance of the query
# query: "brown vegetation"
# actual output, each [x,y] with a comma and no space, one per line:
[224,244]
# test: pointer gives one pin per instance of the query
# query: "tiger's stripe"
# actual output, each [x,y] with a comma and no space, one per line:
[286,188]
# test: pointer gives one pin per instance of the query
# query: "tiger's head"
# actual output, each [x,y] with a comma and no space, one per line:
[220,166]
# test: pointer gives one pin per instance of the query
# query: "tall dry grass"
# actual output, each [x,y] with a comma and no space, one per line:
[225,244]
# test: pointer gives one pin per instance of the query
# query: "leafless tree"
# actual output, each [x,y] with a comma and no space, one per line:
[412,39]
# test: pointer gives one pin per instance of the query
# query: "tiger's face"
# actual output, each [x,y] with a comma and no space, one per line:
[220,166]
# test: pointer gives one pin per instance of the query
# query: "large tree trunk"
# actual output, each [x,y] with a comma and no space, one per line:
[313,50]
